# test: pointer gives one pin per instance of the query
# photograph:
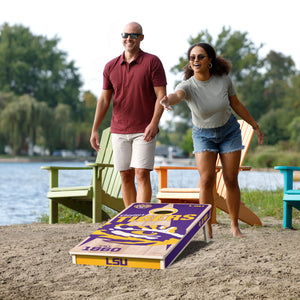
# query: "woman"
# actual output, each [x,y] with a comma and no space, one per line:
[210,95]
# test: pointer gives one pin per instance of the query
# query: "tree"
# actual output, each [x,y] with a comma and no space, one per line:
[34,65]
[187,142]
[19,121]
[278,66]
[294,128]
[279,69]
[274,126]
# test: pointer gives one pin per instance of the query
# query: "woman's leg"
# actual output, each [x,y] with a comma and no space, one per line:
[206,163]
[230,164]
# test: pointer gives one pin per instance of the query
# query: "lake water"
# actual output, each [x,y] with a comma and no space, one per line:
[24,186]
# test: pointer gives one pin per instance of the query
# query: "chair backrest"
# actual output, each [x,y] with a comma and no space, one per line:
[247,133]
[111,179]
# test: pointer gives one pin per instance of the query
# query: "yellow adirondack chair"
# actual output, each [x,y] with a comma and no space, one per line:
[191,195]
[88,200]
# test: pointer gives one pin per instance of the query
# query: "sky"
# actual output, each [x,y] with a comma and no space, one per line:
[90,30]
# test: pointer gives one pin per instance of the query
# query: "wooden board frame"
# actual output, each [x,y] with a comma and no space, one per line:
[144,235]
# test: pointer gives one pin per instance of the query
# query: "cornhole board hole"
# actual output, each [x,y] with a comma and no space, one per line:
[144,235]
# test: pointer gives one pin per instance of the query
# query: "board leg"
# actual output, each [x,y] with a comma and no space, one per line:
[205,231]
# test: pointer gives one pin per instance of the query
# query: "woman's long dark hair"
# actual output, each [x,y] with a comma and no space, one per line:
[220,65]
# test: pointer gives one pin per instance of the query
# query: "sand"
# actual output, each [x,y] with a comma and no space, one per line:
[35,264]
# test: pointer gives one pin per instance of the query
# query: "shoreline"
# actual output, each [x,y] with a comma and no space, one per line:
[175,161]
[20,159]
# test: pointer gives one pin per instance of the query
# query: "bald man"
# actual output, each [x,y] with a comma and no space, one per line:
[136,81]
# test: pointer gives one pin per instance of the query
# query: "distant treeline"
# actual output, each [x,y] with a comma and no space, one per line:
[42,105]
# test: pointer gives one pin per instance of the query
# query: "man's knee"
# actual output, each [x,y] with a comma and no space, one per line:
[142,175]
[127,176]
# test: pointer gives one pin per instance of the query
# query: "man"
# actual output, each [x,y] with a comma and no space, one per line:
[137,82]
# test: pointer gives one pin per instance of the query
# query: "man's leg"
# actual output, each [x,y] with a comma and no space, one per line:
[143,162]
[128,187]
[144,185]
[122,149]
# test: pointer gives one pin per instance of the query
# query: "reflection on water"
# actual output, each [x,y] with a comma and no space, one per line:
[24,186]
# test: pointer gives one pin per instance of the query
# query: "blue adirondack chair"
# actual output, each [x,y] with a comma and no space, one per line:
[291,196]
[89,200]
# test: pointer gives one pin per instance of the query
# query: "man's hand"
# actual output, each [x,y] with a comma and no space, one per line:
[150,133]
[94,140]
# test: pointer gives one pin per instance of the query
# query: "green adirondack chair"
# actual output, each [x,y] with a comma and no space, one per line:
[89,200]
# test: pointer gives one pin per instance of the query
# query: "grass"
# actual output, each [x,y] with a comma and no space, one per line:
[67,215]
[263,203]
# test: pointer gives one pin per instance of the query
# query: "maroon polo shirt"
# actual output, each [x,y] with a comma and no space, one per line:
[134,96]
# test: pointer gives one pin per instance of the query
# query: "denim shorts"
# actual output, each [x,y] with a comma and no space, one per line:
[224,139]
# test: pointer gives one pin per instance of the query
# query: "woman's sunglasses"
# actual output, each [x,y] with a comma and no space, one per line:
[199,57]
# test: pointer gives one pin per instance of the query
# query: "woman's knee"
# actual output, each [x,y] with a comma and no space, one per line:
[231,183]
[207,181]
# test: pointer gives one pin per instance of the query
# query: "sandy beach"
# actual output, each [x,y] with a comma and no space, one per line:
[35,264]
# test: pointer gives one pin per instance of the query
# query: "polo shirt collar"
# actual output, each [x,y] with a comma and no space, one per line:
[136,60]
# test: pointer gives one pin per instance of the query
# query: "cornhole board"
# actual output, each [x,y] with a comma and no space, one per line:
[144,235]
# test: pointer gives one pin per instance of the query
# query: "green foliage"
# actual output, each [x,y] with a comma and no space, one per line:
[41,101]
[294,129]
[19,121]
[34,65]
[278,66]
[40,95]
[67,215]
[187,142]
[274,125]
[270,156]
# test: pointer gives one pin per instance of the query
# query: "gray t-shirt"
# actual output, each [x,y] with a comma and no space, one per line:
[208,100]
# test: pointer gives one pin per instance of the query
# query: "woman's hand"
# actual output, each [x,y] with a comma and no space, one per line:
[165,103]
[260,136]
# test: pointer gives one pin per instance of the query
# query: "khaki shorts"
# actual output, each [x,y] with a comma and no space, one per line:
[132,151]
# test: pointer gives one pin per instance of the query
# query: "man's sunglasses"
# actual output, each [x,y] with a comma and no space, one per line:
[132,35]
[199,57]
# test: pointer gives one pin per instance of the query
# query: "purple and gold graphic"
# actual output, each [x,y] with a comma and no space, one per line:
[146,235]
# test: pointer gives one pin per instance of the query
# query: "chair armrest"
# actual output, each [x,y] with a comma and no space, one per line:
[50,168]
[163,173]
[54,171]
[245,168]
[100,165]
[287,168]
[175,168]
[287,172]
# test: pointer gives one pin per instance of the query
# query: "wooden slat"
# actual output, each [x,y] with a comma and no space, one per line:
[180,190]
[68,194]
[182,195]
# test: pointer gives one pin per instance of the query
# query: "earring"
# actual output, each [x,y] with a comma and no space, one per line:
[209,65]
[189,67]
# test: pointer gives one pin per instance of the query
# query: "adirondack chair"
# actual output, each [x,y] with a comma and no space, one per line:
[104,189]
[291,196]
[191,195]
